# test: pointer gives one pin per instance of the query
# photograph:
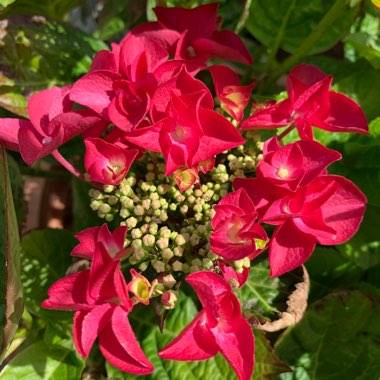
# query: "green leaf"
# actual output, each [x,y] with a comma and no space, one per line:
[362,85]
[11,304]
[56,9]
[38,53]
[287,23]
[42,362]
[366,46]
[17,189]
[45,257]
[335,340]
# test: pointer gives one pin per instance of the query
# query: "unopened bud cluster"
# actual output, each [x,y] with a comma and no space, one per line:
[169,230]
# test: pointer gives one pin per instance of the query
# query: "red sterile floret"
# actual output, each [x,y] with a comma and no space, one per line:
[310,103]
[200,35]
[295,164]
[219,327]
[52,123]
[236,232]
[101,301]
[232,96]
[107,163]
[327,211]
[189,135]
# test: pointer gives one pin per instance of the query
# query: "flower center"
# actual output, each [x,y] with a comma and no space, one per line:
[179,134]
[282,173]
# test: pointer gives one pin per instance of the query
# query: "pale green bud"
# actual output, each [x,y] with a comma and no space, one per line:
[112,200]
[173,206]
[109,217]
[194,240]
[95,205]
[131,222]
[168,281]
[136,233]
[178,251]
[150,176]
[162,243]
[148,240]
[163,216]
[108,188]
[104,208]
[155,204]
[167,254]
[143,266]
[124,213]
[139,210]
[165,232]
[146,203]
[159,266]
[184,209]
[177,266]
[153,228]
[180,240]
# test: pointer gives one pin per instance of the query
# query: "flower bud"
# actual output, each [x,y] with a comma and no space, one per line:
[169,299]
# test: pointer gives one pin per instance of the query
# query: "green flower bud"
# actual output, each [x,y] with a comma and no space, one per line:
[167,254]
[168,281]
[131,222]
[148,240]
[136,233]
[137,243]
[180,240]
[159,266]
[177,266]
[104,208]
[153,228]
[95,205]
[172,207]
[165,232]
[124,213]
[184,209]
[109,217]
[139,210]
[146,203]
[163,216]
[178,251]
[150,176]
[112,200]
[162,243]
[143,266]
[108,188]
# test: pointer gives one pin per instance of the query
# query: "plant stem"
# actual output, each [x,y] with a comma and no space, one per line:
[307,44]
[67,165]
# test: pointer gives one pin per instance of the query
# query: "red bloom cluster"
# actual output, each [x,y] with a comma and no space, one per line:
[143,95]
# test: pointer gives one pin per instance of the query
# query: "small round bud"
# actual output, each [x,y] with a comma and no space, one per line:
[168,281]
[177,266]
[148,240]
[139,210]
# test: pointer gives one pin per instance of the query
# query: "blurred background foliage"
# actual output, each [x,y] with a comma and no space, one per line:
[52,42]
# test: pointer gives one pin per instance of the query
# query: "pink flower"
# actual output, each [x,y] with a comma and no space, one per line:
[236,232]
[200,34]
[107,163]
[219,327]
[233,97]
[189,135]
[52,123]
[100,298]
[327,211]
[310,103]
[294,164]
[91,237]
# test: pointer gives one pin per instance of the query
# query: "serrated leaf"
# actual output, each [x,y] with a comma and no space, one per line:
[11,304]
[42,362]
[288,22]
[37,53]
[45,257]
[333,342]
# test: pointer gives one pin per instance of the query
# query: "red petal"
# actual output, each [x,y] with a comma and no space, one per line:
[9,129]
[345,116]
[238,347]
[344,210]
[119,346]
[195,342]
[87,326]
[224,44]
[87,242]
[198,22]
[94,90]
[289,248]
[301,78]
[69,293]
[47,104]
[275,116]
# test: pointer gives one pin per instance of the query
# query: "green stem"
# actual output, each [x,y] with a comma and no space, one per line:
[244,16]
[307,44]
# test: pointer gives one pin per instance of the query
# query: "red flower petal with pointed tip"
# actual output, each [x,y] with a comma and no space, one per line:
[219,327]
[289,248]
[118,344]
